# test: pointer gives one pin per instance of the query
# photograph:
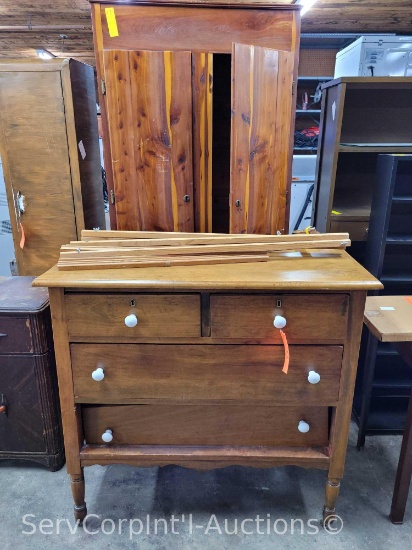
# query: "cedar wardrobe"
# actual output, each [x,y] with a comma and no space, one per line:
[197,108]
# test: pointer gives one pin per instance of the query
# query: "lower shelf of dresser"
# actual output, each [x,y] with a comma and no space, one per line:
[205,457]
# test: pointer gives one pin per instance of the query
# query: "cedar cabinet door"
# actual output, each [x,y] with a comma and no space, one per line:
[262,82]
[149,106]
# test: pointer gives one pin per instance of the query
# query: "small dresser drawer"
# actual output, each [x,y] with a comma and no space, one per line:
[205,425]
[133,315]
[112,373]
[317,318]
[15,335]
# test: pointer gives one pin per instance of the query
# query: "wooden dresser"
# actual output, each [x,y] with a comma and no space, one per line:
[183,365]
[30,423]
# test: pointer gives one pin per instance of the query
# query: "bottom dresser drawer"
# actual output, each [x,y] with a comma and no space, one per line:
[205,425]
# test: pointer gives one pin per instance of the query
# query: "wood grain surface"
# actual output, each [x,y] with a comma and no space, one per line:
[260,138]
[322,270]
[204,425]
[34,153]
[158,315]
[205,457]
[202,89]
[197,29]
[309,318]
[207,373]
[149,103]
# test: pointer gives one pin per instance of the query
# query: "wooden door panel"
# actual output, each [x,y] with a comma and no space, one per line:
[260,138]
[202,71]
[34,151]
[21,427]
[149,103]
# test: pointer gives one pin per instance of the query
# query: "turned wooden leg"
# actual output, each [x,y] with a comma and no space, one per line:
[331,495]
[77,485]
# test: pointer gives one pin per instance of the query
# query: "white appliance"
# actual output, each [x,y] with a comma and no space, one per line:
[301,199]
[376,56]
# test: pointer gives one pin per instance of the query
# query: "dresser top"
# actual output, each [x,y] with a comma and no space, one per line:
[311,270]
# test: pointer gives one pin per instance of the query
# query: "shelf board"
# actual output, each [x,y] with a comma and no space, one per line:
[386,352]
[307,111]
[396,278]
[314,149]
[393,385]
[402,200]
[399,239]
[364,148]
[350,212]
[314,78]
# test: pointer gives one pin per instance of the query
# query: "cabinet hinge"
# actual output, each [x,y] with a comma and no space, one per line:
[112,197]
[103,85]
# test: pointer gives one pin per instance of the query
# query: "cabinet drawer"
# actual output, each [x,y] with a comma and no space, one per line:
[15,335]
[158,315]
[206,425]
[205,372]
[314,318]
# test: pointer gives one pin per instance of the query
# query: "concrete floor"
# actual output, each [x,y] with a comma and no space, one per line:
[285,494]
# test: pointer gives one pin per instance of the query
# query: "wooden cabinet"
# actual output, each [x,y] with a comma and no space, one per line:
[197,380]
[385,380]
[50,152]
[197,101]
[30,424]
[361,118]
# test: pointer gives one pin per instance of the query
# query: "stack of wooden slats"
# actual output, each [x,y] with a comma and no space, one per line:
[117,249]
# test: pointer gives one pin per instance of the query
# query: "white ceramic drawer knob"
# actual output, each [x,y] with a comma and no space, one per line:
[279,321]
[303,427]
[98,374]
[131,320]
[313,377]
[107,436]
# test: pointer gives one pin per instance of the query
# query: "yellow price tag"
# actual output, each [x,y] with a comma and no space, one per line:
[336,213]
[111,22]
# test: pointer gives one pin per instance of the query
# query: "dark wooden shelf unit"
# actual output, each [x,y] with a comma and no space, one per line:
[384,380]
[361,118]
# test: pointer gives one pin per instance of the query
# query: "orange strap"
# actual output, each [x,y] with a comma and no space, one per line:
[23,237]
[286,346]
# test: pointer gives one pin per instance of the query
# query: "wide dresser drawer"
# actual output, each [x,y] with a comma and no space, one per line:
[113,373]
[206,425]
[156,315]
[310,318]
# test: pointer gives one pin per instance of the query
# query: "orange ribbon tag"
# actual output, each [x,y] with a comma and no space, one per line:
[286,346]
[23,237]
[408,299]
